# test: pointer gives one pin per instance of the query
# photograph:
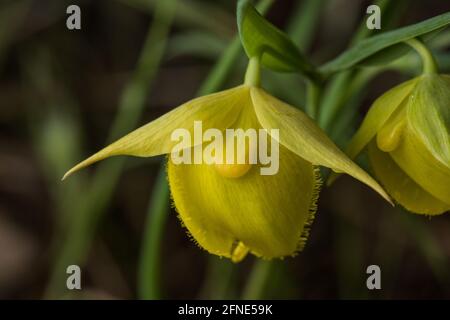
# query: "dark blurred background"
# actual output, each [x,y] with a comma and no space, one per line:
[61,93]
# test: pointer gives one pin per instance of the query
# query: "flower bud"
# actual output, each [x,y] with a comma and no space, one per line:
[407,134]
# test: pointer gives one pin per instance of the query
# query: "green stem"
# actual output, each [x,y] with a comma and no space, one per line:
[149,277]
[256,284]
[253,74]
[429,62]
[219,278]
[313,98]
[221,69]
[333,99]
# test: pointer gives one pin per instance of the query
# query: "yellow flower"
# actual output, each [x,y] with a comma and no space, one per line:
[407,135]
[231,210]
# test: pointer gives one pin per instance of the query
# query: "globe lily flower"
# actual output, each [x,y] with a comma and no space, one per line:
[231,209]
[406,132]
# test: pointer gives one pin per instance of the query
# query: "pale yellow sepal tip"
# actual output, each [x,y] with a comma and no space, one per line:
[95,158]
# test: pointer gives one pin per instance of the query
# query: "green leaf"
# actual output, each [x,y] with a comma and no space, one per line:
[363,50]
[394,52]
[260,37]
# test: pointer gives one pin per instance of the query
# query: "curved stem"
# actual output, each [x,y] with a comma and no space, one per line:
[429,62]
[253,73]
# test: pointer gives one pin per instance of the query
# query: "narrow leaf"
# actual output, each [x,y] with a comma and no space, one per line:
[373,45]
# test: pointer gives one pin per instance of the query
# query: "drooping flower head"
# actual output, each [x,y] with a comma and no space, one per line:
[232,209]
[406,132]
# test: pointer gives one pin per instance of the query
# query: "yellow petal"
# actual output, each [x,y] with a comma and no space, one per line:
[267,215]
[401,187]
[218,110]
[429,115]
[390,135]
[301,135]
[418,163]
[378,114]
